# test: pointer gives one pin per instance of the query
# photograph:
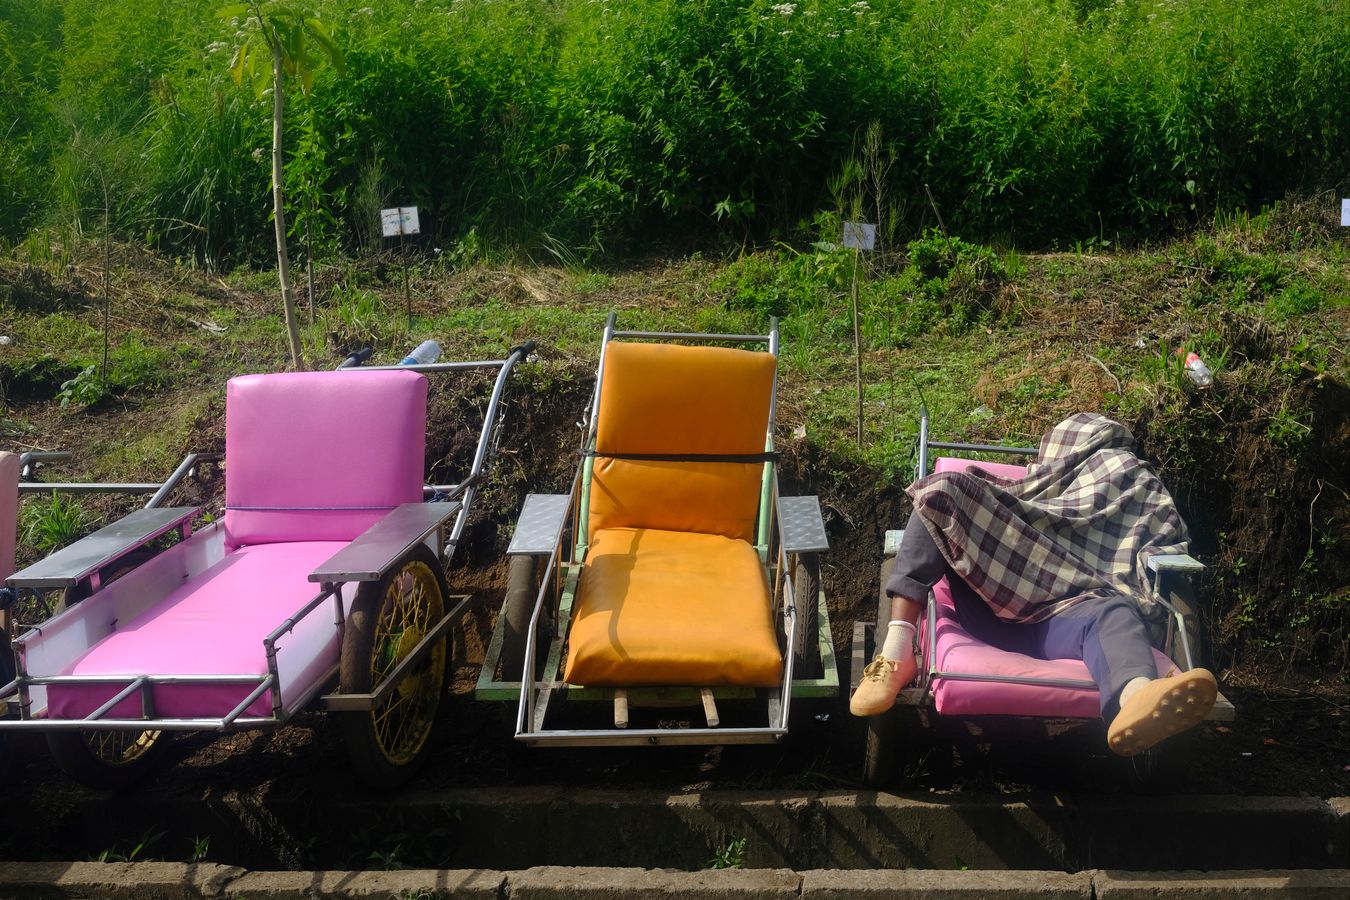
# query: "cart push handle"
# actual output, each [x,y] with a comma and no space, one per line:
[355,359]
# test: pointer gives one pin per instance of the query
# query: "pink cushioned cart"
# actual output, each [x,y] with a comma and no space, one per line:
[961,677]
[323,583]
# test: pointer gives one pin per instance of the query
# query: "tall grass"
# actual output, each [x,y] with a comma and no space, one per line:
[596,126]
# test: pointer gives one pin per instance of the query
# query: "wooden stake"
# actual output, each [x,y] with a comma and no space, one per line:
[857,347]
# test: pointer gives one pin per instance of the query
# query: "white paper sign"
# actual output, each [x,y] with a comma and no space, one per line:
[399,220]
[1345,213]
[860,235]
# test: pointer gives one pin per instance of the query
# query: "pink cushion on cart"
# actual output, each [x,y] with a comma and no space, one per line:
[957,651]
[214,625]
[320,456]
[954,464]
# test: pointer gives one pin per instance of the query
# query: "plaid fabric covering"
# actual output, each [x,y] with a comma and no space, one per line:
[1081,523]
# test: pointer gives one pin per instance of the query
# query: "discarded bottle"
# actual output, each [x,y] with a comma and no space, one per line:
[426,353]
[1196,368]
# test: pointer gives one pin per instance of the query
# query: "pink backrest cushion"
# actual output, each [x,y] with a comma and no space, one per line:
[955,464]
[320,456]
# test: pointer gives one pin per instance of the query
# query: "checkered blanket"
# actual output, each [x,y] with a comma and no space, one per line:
[1081,523]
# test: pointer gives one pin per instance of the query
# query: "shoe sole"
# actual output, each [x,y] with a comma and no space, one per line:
[1169,707]
[864,712]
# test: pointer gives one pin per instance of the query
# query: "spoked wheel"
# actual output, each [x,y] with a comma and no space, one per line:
[880,760]
[1183,598]
[7,670]
[388,619]
[106,759]
[522,588]
[81,590]
[806,597]
[1143,769]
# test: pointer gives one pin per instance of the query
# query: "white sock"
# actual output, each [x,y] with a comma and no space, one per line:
[899,643]
[1131,686]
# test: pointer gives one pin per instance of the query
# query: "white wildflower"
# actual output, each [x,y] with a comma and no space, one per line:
[785,9]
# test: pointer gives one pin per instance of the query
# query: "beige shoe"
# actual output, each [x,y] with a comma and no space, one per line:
[1160,709]
[881,681]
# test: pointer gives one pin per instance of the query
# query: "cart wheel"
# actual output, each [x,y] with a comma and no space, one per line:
[522,587]
[806,597]
[81,591]
[1183,598]
[880,762]
[106,759]
[1143,769]
[388,618]
[7,670]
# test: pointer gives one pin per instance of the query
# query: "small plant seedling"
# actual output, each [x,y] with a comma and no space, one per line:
[112,854]
[730,855]
[48,525]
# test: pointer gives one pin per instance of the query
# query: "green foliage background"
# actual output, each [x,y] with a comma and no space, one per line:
[588,125]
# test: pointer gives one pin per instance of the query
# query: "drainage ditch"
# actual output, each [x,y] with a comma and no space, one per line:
[517,828]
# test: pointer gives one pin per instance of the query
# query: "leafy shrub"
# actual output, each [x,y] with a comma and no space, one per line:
[785,283]
[590,126]
[133,368]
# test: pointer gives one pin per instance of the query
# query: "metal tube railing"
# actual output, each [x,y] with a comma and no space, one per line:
[984,448]
[238,711]
[185,468]
[76,487]
[27,460]
[695,336]
[117,698]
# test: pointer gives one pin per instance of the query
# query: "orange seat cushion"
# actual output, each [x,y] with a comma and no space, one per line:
[670,608]
[666,399]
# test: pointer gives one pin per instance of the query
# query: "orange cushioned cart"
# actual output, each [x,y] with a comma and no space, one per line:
[672,578]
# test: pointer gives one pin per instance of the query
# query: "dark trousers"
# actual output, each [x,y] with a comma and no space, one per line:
[1108,634]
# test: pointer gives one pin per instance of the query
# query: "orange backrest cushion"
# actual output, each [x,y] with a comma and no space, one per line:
[680,400]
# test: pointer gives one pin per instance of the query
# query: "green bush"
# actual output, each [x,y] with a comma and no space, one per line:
[581,127]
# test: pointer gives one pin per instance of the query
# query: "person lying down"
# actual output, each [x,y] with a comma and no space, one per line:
[1052,565]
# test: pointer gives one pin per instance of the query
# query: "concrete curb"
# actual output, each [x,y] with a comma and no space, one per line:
[207,881]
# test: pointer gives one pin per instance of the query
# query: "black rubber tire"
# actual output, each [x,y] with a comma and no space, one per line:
[522,588]
[7,670]
[385,754]
[1182,596]
[880,761]
[806,597]
[78,592]
[107,759]
[879,756]
[1143,770]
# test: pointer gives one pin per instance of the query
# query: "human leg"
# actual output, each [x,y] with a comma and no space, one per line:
[918,566]
[1110,636]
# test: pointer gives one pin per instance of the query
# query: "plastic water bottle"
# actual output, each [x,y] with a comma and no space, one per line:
[1196,369]
[426,353]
